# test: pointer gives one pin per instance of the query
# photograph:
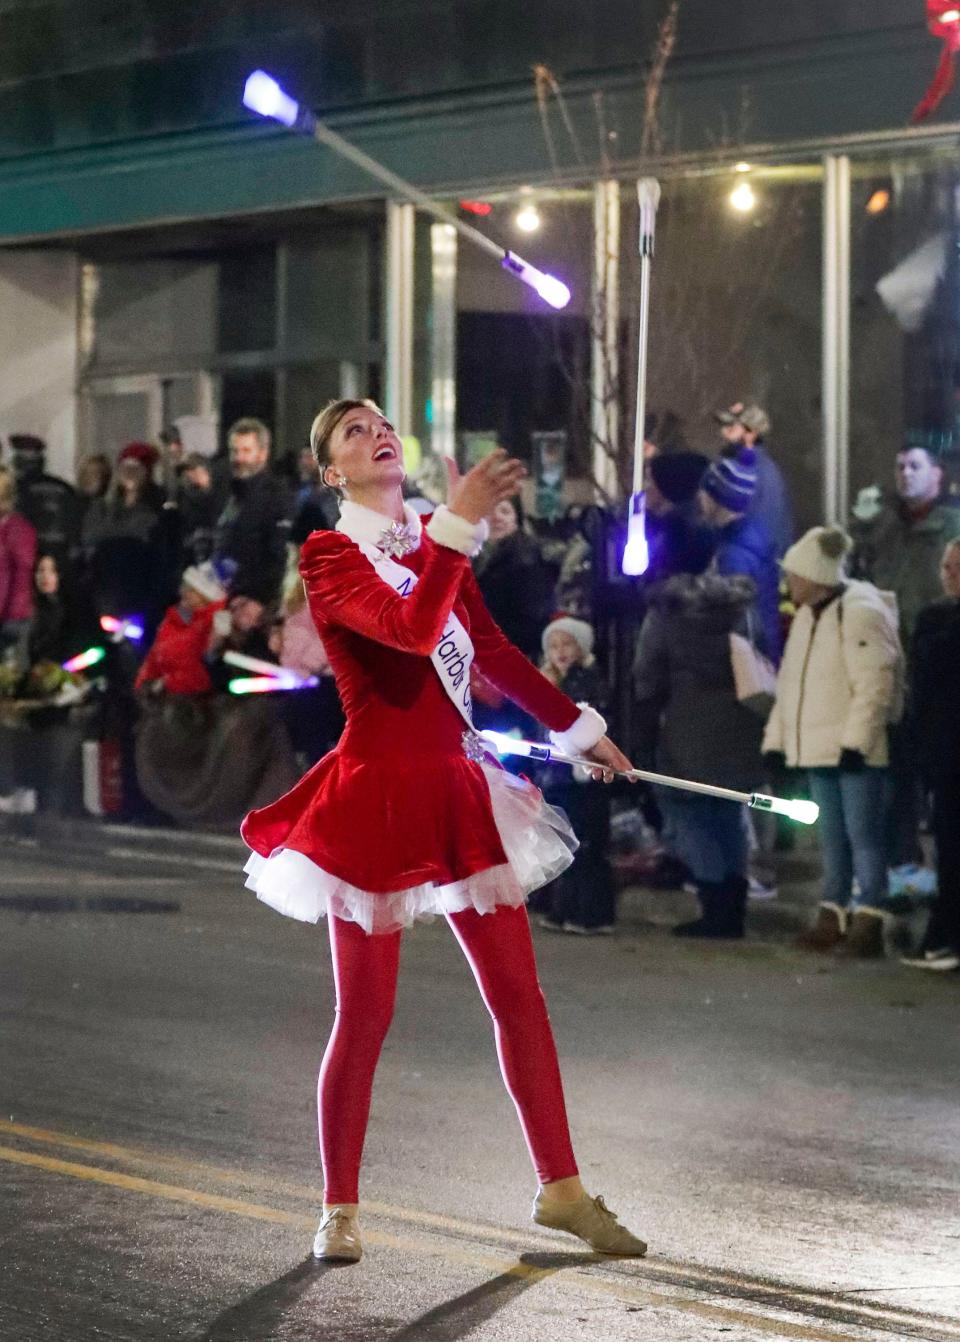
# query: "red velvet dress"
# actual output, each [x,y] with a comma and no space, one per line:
[397,822]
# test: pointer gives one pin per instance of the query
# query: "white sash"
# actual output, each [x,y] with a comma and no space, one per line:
[453,655]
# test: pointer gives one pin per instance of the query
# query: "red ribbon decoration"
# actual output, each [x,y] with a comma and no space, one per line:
[943,21]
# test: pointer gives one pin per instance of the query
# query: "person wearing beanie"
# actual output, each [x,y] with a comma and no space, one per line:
[744,546]
[746,424]
[679,540]
[583,899]
[145,453]
[839,686]
[48,503]
[175,662]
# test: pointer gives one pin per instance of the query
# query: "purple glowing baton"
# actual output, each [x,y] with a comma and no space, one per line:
[636,555]
[263,95]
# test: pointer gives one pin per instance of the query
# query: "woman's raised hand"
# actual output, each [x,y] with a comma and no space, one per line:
[475,495]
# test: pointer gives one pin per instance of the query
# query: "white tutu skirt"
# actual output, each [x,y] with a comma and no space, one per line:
[536,837]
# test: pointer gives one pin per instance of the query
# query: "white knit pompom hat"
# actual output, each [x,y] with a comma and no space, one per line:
[578,629]
[819,556]
[203,578]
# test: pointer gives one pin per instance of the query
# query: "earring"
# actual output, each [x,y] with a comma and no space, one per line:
[341,479]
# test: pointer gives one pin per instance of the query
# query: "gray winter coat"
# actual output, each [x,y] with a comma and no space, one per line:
[688,719]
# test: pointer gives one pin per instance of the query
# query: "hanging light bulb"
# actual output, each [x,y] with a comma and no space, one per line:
[528,219]
[743,198]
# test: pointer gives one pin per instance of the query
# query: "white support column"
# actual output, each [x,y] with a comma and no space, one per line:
[604,348]
[399,316]
[443,340]
[39,293]
[836,338]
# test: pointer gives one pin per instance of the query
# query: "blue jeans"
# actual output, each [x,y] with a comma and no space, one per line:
[852,831]
[708,835]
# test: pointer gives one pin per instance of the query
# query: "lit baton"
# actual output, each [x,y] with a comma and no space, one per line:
[121,628]
[84,660]
[258,664]
[636,555]
[804,812]
[263,95]
[270,684]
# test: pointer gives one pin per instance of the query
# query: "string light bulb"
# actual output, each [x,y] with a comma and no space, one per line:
[528,219]
[743,198]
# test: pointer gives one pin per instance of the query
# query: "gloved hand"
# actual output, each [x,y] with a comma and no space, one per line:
[774,762]
[851,762]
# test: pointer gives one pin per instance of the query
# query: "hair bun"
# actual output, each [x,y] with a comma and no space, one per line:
[833,542]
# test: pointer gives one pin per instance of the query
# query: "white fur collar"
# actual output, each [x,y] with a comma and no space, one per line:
[367,527]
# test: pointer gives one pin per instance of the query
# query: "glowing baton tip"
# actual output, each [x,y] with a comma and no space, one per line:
[263,95]
[504,744]
[803,812]
[636,554]
[550,289]
[254,685]
[84,659]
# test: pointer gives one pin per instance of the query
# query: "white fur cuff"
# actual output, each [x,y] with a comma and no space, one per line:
[584,734]
[456,533]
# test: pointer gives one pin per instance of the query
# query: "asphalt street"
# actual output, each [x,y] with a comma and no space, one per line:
[783,1129]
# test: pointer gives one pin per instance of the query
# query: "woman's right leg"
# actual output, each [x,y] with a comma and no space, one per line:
[365,975]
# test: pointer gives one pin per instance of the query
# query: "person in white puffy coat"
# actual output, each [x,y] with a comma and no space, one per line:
[839,687]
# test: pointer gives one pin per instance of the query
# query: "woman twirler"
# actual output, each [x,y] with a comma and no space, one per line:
[408,817]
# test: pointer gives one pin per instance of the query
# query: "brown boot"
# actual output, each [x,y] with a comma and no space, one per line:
[865,936]
[826,932]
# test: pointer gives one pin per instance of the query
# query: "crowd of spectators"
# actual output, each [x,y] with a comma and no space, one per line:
[858,629]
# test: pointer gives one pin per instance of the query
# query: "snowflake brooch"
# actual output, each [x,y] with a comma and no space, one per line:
[397,540]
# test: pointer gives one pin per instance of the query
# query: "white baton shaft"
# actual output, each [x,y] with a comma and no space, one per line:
[806,812]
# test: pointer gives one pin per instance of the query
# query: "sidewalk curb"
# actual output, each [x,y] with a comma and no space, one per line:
[103,836]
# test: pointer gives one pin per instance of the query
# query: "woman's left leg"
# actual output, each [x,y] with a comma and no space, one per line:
[499,949]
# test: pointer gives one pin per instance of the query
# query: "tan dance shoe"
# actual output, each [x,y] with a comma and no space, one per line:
[591,1220]
[338,1237]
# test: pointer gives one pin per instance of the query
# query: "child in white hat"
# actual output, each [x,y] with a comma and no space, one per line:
[583,899]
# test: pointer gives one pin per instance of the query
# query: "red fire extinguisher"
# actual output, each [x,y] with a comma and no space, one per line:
[102,777]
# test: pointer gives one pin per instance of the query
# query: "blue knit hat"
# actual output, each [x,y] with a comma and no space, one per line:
[732,481]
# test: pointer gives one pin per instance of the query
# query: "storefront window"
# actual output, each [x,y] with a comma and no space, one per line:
[522,367]
[905,310]
[269,318]
[736,311]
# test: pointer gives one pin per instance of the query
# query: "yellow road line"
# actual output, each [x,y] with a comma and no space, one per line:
[249,1179]
[705,1277]
[132,1184]
[701,1278]
[577,1280]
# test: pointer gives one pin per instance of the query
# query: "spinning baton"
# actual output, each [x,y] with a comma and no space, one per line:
[258,664]
[263,95]
[804,812]
[636,555]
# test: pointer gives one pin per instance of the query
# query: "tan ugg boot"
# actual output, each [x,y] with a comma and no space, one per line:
[826,932]
[865,936]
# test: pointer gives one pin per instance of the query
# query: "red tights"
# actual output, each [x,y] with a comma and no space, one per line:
[499,950]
